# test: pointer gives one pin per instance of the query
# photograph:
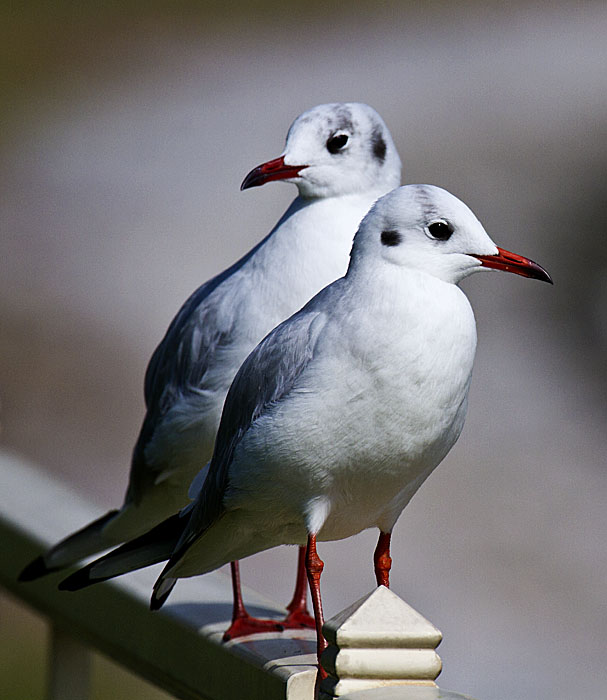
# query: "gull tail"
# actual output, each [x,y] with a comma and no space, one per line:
[154,546]
[87,541]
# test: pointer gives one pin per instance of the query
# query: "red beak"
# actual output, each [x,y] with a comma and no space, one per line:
[511,262]
[272,170]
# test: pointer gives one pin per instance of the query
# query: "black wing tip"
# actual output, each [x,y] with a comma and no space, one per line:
[36,569]
[159,598]
[157,602]
[78,580]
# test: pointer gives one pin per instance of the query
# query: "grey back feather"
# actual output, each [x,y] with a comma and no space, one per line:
[265,378]
[181,361]
[176,368]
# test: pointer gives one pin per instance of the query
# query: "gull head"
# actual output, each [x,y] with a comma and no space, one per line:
[427,229]
[333,150]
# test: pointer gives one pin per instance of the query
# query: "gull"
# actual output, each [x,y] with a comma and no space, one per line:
[341,157]
[338,416]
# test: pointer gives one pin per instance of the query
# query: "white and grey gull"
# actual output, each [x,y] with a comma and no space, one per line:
[341,157]
[338,416]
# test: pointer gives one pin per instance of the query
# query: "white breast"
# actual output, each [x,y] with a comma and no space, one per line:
[376,410]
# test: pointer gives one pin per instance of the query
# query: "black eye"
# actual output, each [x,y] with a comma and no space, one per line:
[441,230]
[336,142]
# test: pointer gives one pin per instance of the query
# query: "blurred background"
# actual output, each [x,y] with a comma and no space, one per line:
[126,129]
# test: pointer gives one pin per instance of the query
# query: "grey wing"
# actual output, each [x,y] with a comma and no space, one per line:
[180,363]
[193,327]
[266,376]
[178,366]
[182,357]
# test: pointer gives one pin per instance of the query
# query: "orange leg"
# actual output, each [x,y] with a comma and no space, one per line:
[242,622]
[314,567]
[382,560]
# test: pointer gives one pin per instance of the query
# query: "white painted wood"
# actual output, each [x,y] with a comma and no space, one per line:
[381,619]
[409,692]
[379,641]
[69,667]
[388,663]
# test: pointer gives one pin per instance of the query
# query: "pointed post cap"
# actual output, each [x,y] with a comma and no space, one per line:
[381,619]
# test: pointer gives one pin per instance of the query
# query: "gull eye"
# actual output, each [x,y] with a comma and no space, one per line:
[336,142]
[440,230]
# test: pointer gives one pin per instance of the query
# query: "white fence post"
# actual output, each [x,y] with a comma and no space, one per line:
[69,667]
[379,641]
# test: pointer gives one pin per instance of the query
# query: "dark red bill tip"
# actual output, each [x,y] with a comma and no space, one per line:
[272,170]
[511,262]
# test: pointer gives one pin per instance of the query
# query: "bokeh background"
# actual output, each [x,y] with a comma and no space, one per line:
[126,129]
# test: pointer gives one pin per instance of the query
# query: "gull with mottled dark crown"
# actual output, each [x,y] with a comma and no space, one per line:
[342,158]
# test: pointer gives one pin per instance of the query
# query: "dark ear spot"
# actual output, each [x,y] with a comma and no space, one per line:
[390,238]
[378,145]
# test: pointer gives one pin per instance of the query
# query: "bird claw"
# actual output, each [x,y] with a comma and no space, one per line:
[243,626]
[298,619]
